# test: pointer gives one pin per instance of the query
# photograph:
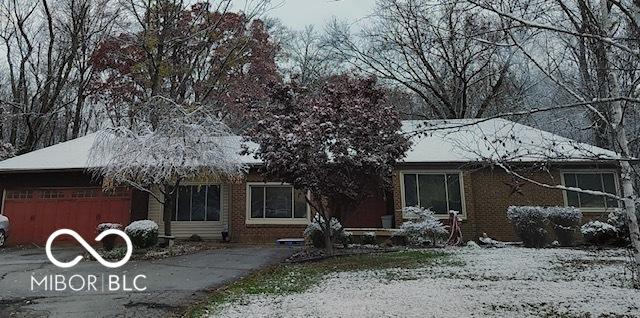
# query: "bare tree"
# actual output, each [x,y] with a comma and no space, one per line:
[42,42]
[440,51]
[307,56]
[581,46]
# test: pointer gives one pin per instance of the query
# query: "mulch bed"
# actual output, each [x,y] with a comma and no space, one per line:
[153,253]
[312,254]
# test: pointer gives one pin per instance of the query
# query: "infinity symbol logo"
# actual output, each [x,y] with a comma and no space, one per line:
[89,248]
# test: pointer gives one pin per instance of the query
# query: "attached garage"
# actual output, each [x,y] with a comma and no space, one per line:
[49,189]
[35,213]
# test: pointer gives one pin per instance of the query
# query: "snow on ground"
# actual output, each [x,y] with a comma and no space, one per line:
[507,282]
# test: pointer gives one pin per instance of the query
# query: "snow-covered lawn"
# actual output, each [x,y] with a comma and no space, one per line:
[507,282]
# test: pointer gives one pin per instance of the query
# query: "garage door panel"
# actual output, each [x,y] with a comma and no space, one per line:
[33,219]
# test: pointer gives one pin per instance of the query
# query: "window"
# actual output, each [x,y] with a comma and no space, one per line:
[276,203]
[20,194]
[120,192]
[84,193]
[604,181]
[440,192]
[198,203]
[52,194]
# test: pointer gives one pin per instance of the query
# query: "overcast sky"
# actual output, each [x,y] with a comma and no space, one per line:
[297,14]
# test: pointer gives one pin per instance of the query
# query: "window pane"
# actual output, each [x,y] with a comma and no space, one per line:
[278,202]
[184,204]
[213,203]
[609,187]
[572,197]
[590,182]
[410,190]
[257,202]
[198,195]
[455,198]
[432,192]
[300,205]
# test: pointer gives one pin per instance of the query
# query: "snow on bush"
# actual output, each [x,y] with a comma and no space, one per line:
[565,216]
[530,222]
[108,226]
[423,228]
[108,242]
[314,233]
[618,218]
[369,238]
[599,233]
[565,221]
[143,233]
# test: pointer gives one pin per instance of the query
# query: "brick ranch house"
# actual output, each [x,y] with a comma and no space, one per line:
[446,169]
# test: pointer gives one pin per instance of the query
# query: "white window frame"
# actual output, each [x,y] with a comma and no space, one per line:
[616,182]
[195,184]
[284,221]
[463,213]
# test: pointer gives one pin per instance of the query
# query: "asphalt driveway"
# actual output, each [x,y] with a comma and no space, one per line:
[171,283]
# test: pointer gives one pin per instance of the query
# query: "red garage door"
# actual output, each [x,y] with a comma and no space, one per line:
[36,213]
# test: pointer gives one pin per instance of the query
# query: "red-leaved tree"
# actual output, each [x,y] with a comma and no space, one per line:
[200,54]
[338,143]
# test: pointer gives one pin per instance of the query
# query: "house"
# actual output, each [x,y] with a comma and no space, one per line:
[445,169]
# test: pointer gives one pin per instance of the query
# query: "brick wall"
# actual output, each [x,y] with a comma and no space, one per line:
[254,233]
[487,195]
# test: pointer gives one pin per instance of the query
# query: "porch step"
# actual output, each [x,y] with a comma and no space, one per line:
[290,241]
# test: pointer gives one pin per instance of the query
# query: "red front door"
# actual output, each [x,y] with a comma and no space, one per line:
[36,213]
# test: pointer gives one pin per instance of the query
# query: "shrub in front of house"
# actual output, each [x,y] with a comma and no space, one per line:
[530,224]
[398,238]
[143,234]
[618,218]
[313,233]
[109,241]
[599,233]
[566,221]
[369,238]
[422,228]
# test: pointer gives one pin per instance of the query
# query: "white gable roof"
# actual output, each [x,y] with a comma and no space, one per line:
[72,154]
[455,141]
[477,140]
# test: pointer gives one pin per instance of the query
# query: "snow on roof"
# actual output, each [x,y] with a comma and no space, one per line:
[74,154]
[476,140]
[456,141]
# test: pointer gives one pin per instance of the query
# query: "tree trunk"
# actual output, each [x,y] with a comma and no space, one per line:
[620,135]
[77,116]
[328,240]
[168,208]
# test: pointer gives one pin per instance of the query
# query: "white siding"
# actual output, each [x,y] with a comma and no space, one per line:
[206,230]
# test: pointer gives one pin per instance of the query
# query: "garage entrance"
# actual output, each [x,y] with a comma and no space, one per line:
[37,212]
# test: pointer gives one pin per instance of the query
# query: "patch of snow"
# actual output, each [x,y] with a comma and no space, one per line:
[472,244]
[508,282]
